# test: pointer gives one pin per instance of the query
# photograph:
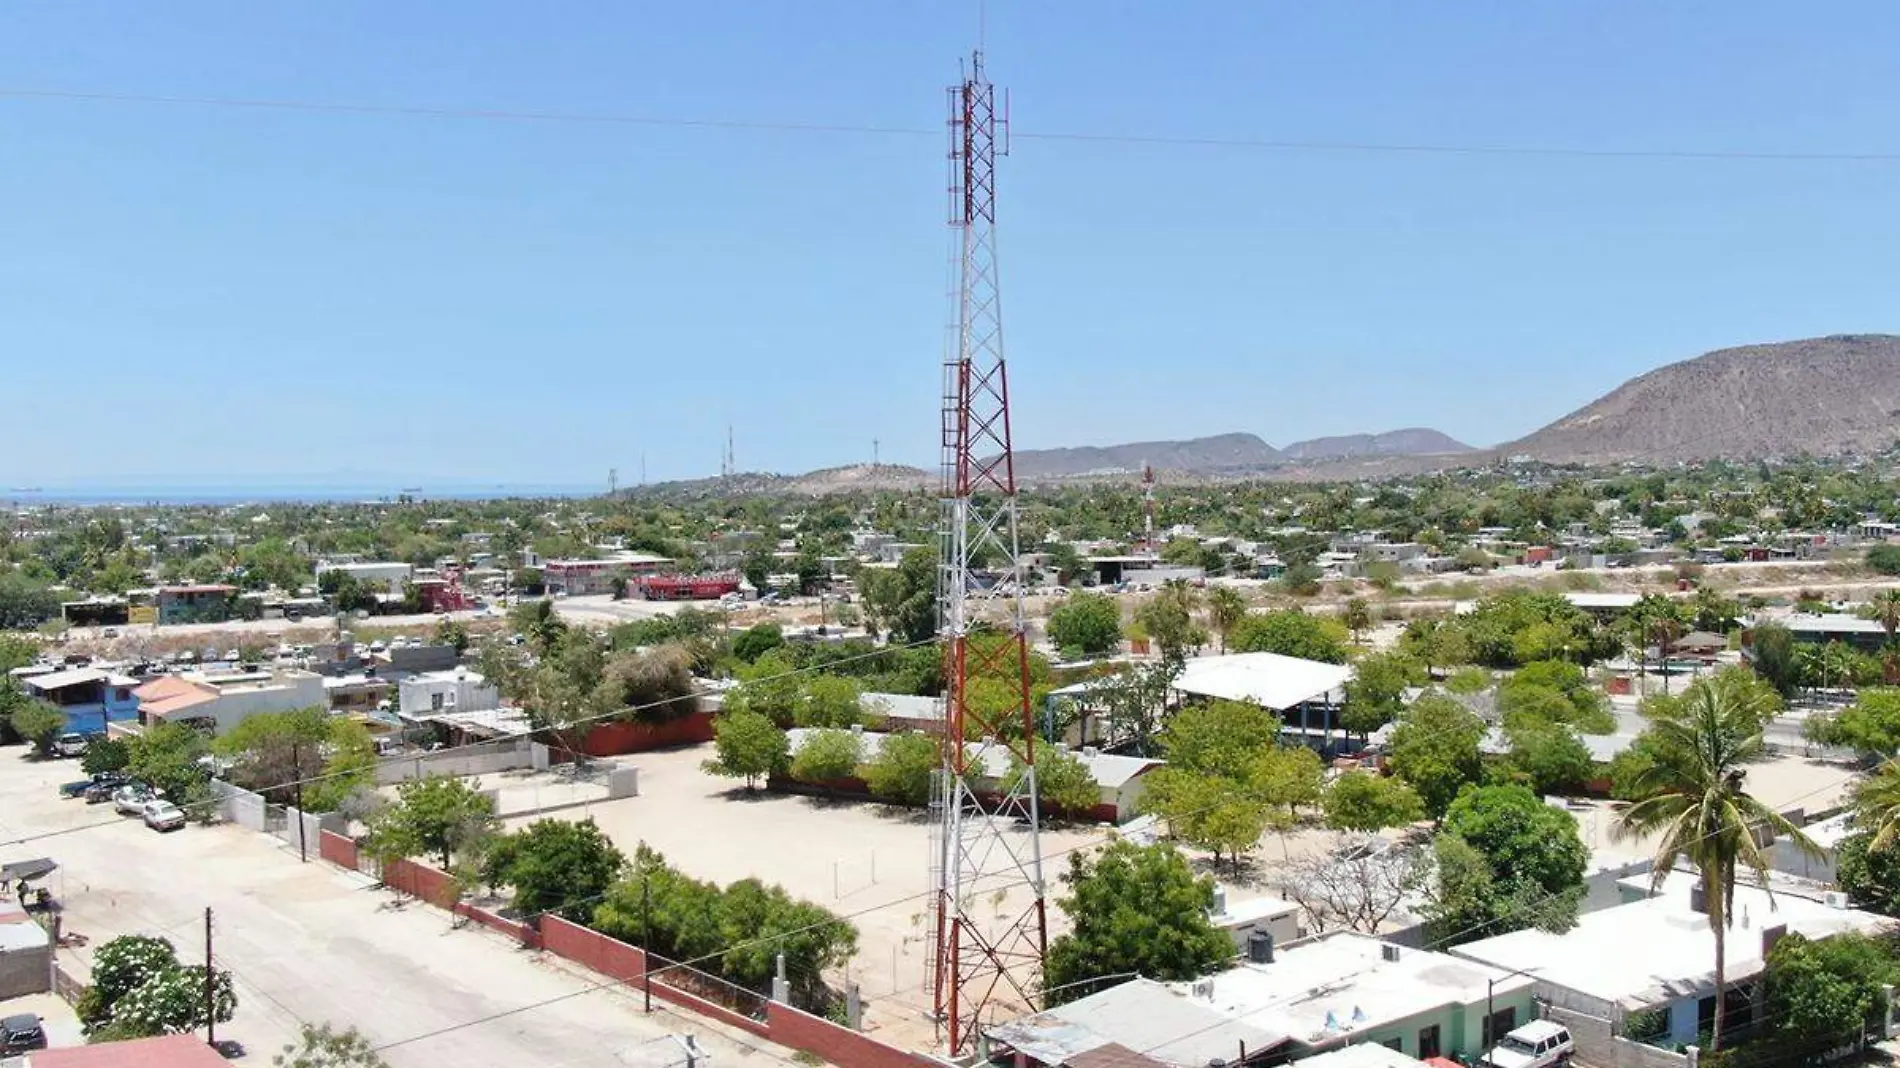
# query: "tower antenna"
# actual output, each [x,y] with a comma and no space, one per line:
[1148,507]
[987,847]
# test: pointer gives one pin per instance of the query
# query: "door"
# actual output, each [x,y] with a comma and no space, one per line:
[1428,1042]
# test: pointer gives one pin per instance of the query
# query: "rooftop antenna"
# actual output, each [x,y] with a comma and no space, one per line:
[726,464]
[613,481]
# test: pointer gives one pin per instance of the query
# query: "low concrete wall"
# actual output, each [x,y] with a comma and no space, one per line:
[470,760]
[238,806]
[1596,1041]
[27,970]
[1628,1054]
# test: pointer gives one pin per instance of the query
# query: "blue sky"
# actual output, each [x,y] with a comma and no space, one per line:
[208,292]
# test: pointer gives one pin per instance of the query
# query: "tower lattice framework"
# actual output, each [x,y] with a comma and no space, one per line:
[991,926]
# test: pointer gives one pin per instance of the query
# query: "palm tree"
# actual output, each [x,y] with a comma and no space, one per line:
[1225,609]
[1877,805]
[1695,799]
[1884,608]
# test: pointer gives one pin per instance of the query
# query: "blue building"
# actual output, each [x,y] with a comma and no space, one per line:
[90,698]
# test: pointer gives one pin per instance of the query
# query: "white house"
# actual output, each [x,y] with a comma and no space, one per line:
[461,690]
[1658,954]
[219,701]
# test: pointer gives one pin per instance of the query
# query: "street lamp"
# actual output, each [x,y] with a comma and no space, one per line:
[1490,1006]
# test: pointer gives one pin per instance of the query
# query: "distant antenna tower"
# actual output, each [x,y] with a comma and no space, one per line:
[1148,505]
[643,468]
[613,481]
[728,466]
[990,925]
[874,452]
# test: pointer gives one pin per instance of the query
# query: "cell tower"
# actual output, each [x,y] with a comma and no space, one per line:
[1148,508]
[990,922]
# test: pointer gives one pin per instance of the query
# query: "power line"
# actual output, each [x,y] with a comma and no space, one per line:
[1266,144]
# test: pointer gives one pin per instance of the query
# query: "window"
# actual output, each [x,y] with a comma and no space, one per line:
[1501,1023]
[435,702]
[1396,1045]
[1428,1042]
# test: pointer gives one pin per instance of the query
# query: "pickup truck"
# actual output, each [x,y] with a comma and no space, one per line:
[109,780]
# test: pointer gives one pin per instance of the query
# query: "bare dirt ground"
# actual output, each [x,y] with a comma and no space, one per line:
[310,943]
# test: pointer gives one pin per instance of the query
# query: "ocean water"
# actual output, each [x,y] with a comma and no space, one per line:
[266,494]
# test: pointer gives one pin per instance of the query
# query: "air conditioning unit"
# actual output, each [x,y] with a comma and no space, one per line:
[1388,952]
[1835,899]
[1204,989]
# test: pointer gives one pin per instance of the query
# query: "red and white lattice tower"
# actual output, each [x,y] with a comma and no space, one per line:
[991,927]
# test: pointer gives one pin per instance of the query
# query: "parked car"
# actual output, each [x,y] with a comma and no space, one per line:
[21,1033]
[70,744]
[105,780]
[1537,1044]
[130,799]
[161,815]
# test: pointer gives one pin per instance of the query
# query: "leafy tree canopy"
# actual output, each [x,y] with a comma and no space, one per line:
[1291,633]
[1133,909]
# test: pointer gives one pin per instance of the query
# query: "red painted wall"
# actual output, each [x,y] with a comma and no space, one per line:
[838,1045]
[337,849]
[613,739]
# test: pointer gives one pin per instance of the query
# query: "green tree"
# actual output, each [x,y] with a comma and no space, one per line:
[38,723]
[902,601]
[304,753]
[828,755]
[1290,775]
[1871,724]
[1357,617]
[1133,909]
[1696,802]
[1876,800]
[1773,649]
[759,639]
[437,816]
[1884,608]
[1884,559]
[167,756]
[1375,694]
[658,907]
[1226,607]
[902,768]
[829,701]
[1870,877]
[1088,624]
[105,754]
[25,602]
[759,923]
[748,746]
[1821,995]
[1291,633]
[1368,802]
[1554,692]
[139,989]
[321,1046]
[1530,846]
[555,865]
[1549,758]
[1222,738]
[455,636]
[1168,618]
[1435,748]
[1134,699]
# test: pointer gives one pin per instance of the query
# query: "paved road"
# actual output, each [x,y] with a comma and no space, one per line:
[307,942]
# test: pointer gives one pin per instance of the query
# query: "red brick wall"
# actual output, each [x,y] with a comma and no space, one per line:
[337,849]
[838,1045]
[613,739]
[515,929]
[418,880]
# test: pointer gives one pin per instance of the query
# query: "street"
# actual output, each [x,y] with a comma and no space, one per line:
[311,943]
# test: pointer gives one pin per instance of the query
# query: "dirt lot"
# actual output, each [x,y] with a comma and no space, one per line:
[307,942]
[865,860]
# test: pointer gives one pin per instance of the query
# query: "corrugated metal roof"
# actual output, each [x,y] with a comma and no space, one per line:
[59,680]
[1265,679]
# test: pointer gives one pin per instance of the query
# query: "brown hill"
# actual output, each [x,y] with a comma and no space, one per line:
[1820,396]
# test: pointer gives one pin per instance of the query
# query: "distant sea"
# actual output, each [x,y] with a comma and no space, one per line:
[264,494]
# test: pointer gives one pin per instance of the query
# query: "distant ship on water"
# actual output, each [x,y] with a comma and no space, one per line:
[24,489]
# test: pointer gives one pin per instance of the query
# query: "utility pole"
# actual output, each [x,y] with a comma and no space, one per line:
[646,940]
[211,999]
[296,765]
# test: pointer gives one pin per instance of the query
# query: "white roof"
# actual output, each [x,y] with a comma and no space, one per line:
[1253,910]
[902,705]
[1109,770]
[1141,1015]
[61,679]
[1265,679]
[1363,1055]
[1326,989]
[1583,599]
[1655,950]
